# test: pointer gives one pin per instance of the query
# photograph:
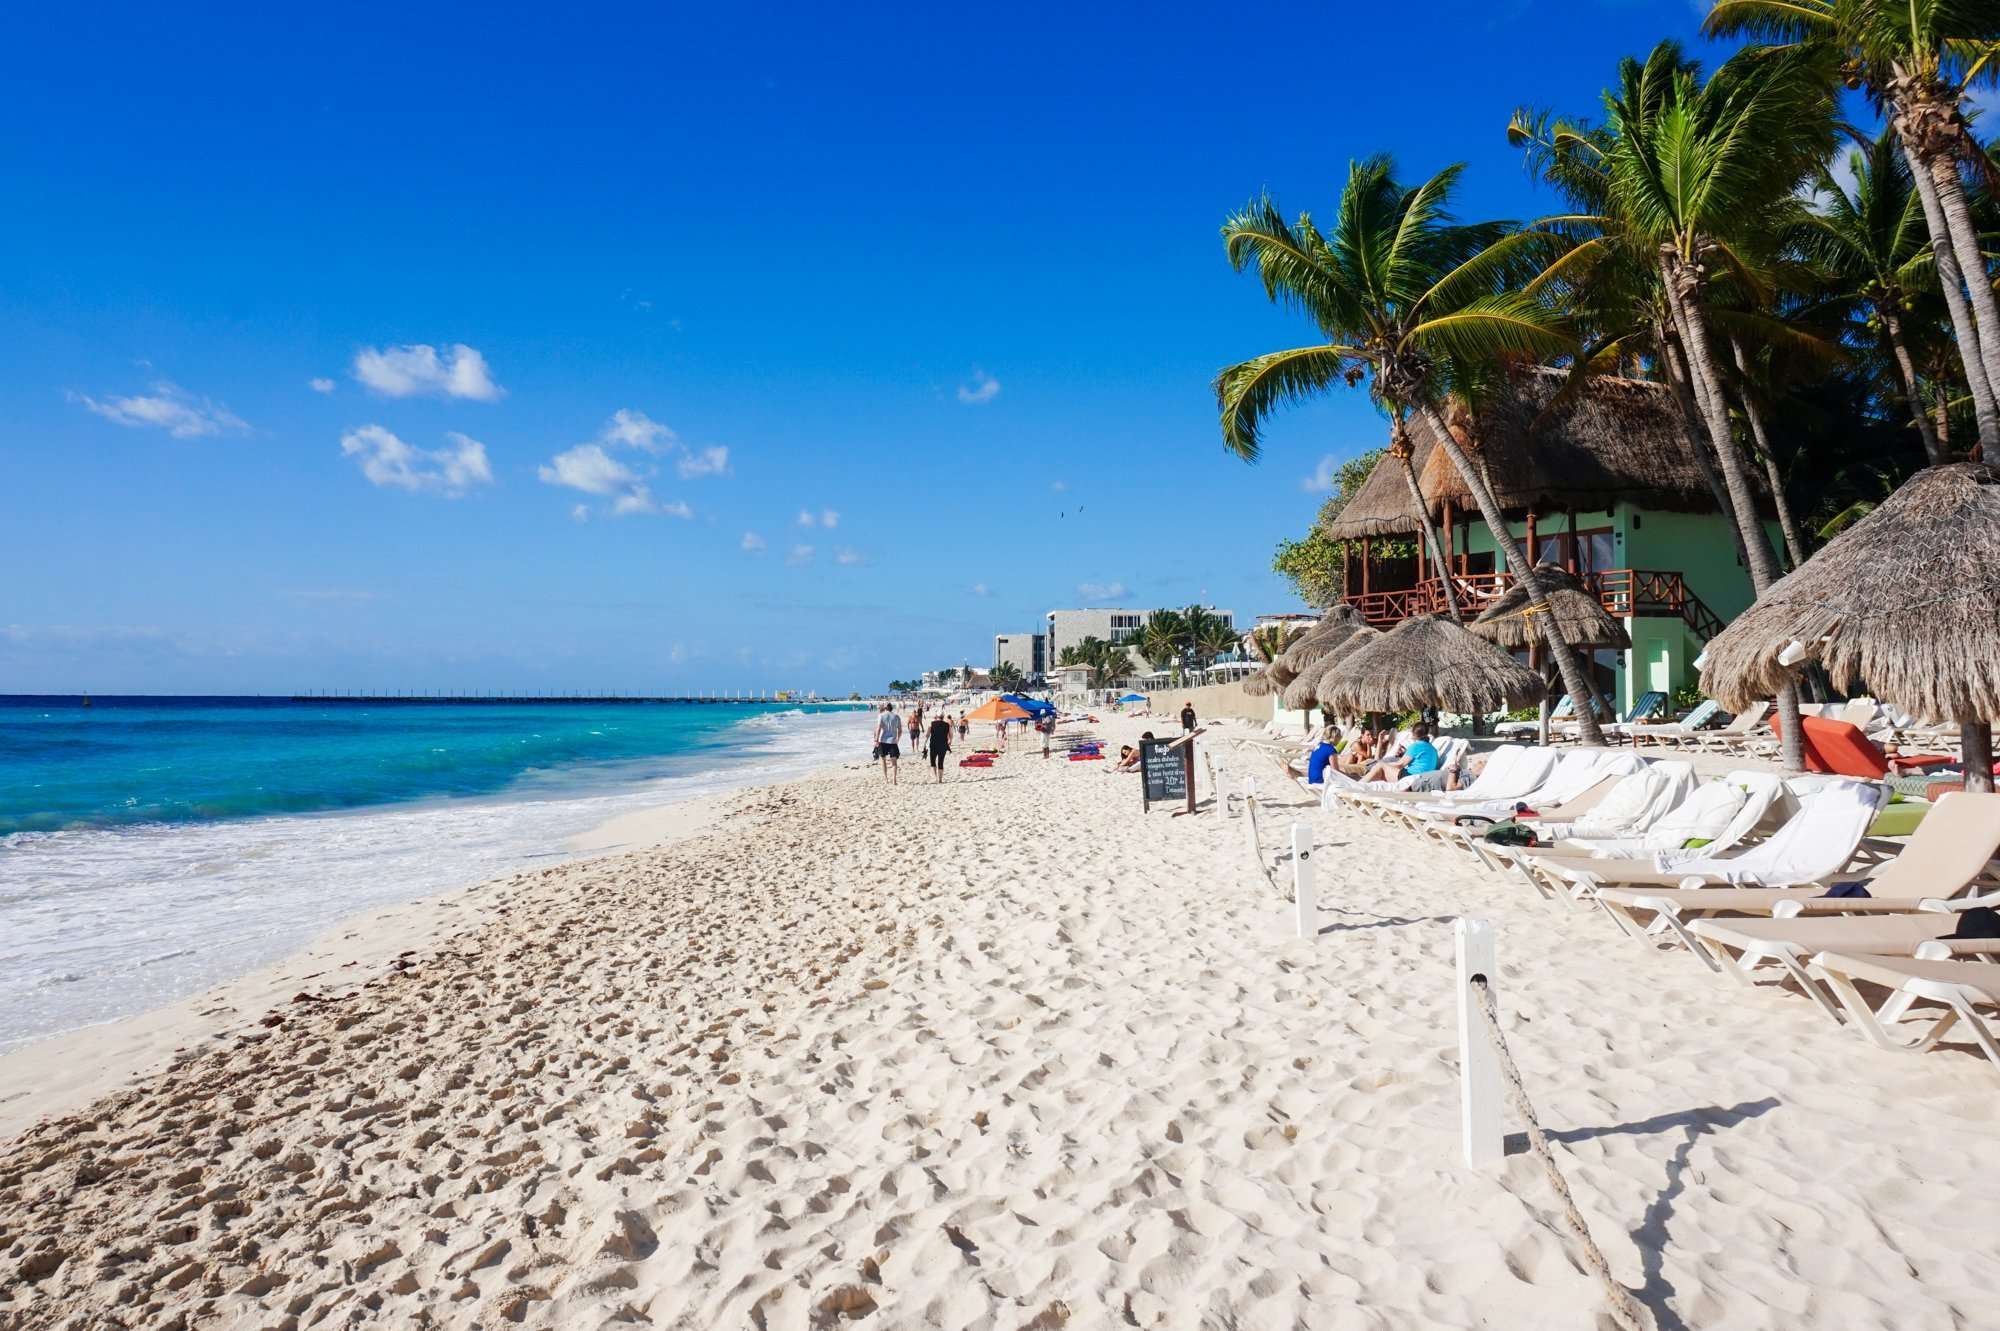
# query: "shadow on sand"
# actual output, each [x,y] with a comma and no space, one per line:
[1651,1235]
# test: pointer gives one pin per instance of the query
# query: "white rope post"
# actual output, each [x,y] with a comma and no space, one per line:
[1303,897]
[1250,821]
[1478,1063]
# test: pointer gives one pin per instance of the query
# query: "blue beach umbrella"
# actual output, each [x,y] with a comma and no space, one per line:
[1133,697]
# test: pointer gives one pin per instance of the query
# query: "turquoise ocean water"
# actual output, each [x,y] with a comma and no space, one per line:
[150,847]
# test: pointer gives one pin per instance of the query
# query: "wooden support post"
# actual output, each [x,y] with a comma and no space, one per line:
[1304,901]
[1478,1061]
[1365,561]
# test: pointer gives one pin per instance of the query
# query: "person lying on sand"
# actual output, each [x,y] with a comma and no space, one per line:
[1128,760]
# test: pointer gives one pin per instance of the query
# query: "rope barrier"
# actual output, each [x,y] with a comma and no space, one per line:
[1256,845]
[1624,1309]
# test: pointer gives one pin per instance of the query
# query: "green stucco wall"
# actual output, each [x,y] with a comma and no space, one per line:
[1696,545]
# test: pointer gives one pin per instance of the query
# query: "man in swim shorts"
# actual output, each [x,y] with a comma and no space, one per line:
[888,734]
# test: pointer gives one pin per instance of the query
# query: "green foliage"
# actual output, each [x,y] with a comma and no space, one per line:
[1685,699]
[1007,677]
[1315,566]
[1107,661]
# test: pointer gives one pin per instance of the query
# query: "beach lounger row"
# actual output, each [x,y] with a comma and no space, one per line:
[1754,874]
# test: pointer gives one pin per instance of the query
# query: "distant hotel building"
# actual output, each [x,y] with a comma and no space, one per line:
[1067,628]
[1024,651]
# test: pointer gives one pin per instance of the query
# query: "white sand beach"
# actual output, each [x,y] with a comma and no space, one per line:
[1002,1053]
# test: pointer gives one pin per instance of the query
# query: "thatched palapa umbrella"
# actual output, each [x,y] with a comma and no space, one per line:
[1319,676]
[1329,633]
[1579,616]
[1906,602]
[1260,684]
[1428,661]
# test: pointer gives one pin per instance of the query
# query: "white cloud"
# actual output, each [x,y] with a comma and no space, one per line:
[320,385]
[752,542]
[388,461]
[591,468]
[1057,487]
[979,589]
[983,389]
[800,554]
[167,407]
[709,462]
[588,468]
[635,429]
[1323,477]
[846,556]
[1101,591]
[829,518]
[807,518]
[640,500]
[418,369]
[580,513]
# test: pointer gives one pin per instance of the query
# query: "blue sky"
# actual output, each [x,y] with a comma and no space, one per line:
[332,344]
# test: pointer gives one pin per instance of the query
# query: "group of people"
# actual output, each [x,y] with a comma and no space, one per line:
[1377,755]
[933,739]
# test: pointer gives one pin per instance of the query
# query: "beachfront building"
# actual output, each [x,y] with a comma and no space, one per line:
[1067,628]
[1024,651]
[1602,483]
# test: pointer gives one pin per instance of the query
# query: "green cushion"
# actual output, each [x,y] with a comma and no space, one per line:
[1899,819]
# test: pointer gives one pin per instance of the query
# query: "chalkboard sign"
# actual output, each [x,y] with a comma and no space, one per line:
[1163,768]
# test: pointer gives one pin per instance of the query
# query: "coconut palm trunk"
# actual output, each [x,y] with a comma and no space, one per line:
[1694,424]
[1568,664]
[1927,127]
[1755,415]
[1684,296]
[1892,327]
[1951,280]
[1431,538]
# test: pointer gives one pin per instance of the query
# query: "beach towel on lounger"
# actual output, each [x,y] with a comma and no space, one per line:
[1633,806]
[1575,772]
[1814,843]
[1701,817]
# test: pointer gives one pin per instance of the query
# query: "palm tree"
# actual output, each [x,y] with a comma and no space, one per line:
[1107,661]
[1692,177]
[1421,305]
[1006,677]
[1916,59]
[1163,638]
[1215,638]
[1869,243]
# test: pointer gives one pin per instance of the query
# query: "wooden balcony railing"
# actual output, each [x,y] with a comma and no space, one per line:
[1623,591]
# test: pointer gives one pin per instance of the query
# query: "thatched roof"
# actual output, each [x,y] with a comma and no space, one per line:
[1428,661]
[1579,614]
[1381,505]
[1611,439]
[1329,633]
[1905,603]
[1304,691]
[1260,684]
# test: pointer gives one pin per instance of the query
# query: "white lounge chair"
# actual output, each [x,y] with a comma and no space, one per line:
[1950,852]
[1815,844]
[1960,987]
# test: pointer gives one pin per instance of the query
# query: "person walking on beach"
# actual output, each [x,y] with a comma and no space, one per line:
[940,737]
[888,730]
[964,727]
[916,728]
[1187,718]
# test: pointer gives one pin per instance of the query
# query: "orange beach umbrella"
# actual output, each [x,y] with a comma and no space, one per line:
[997,710]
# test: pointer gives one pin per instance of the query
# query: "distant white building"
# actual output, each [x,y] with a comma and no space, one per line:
[1067,628]
[1024,651]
